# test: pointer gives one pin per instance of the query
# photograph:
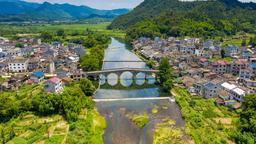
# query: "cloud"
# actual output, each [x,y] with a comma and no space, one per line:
[100,4]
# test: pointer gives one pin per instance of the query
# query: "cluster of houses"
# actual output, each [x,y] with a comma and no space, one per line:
[203,69]
[36,62]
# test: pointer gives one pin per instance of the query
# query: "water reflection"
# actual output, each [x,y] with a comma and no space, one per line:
[140,78]
[126,79]
[112,79]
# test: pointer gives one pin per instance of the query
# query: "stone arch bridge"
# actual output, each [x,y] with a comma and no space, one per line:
[120,71]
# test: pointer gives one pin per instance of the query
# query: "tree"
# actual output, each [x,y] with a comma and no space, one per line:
[151,63]
[167,85]
[222,53]
[46,36]
[60,32]
[165,72]
[248,115]
[252,41]
[87,87]
[2,136]
[20,45]
[243,43]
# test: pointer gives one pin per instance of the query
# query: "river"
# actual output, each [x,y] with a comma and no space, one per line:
[120,129]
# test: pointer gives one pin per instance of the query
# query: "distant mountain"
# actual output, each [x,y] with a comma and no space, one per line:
[16,10]
[209,8]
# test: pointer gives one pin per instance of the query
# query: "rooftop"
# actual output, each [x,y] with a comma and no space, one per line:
[228,86]
[54,80]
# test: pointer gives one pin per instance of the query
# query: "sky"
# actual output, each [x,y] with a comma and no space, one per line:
[99,4]
[103,4]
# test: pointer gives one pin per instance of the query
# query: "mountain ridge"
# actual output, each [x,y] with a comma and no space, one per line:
[17,10]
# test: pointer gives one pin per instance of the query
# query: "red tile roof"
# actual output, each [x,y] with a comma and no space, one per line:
[54,80]
[220,63]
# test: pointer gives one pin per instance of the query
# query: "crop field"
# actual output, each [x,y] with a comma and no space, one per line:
[35,29]
[29,128]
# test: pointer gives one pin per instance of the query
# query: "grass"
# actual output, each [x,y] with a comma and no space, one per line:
[165,132]
[35,29]
[140,120]
[217,58]
[89,129]
[236,39]
[205,122]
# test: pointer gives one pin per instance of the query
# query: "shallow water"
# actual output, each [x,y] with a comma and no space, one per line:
[120,129]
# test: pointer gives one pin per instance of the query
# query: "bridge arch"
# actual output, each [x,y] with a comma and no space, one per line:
[126,78]
[112,79]
[140,78]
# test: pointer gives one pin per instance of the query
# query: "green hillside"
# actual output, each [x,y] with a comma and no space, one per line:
[198,18]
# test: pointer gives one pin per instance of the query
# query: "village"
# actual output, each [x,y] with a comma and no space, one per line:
[29,61]
[206,68]
[203,67]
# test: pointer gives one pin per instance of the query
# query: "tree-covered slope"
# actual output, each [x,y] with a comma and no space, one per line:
[16,10]
[209,9]
[197,18]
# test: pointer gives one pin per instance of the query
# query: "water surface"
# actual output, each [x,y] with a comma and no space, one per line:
[120,129]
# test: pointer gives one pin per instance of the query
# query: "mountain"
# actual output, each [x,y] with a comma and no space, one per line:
[152,8]
[207,19]
[16,10]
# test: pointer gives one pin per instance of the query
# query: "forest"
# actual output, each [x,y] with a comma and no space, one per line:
[206,19]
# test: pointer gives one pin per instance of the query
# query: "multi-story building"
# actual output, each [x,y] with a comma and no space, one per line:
[53,85]
[18,65]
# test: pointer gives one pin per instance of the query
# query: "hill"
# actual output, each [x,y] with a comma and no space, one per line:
[196,18]
[15,10]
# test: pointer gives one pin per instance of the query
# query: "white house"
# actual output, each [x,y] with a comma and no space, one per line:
[53,85]
[18,65]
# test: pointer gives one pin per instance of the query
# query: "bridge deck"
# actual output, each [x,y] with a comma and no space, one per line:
[122,70]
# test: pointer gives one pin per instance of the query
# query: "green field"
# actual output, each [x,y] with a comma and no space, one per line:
[206,122]
[35,29]
[29,128]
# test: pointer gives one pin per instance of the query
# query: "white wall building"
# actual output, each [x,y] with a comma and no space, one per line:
[18,65]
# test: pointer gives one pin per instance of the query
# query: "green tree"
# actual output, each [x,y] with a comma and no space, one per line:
[222,53]
[248,115]
[165,72]
[20,45]
[252,41]
[151,63]
[87,87]
[46,36]
[244,42]
[60,32]
[167,85]
[2,136]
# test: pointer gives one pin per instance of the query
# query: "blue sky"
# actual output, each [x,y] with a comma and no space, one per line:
[103,4]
